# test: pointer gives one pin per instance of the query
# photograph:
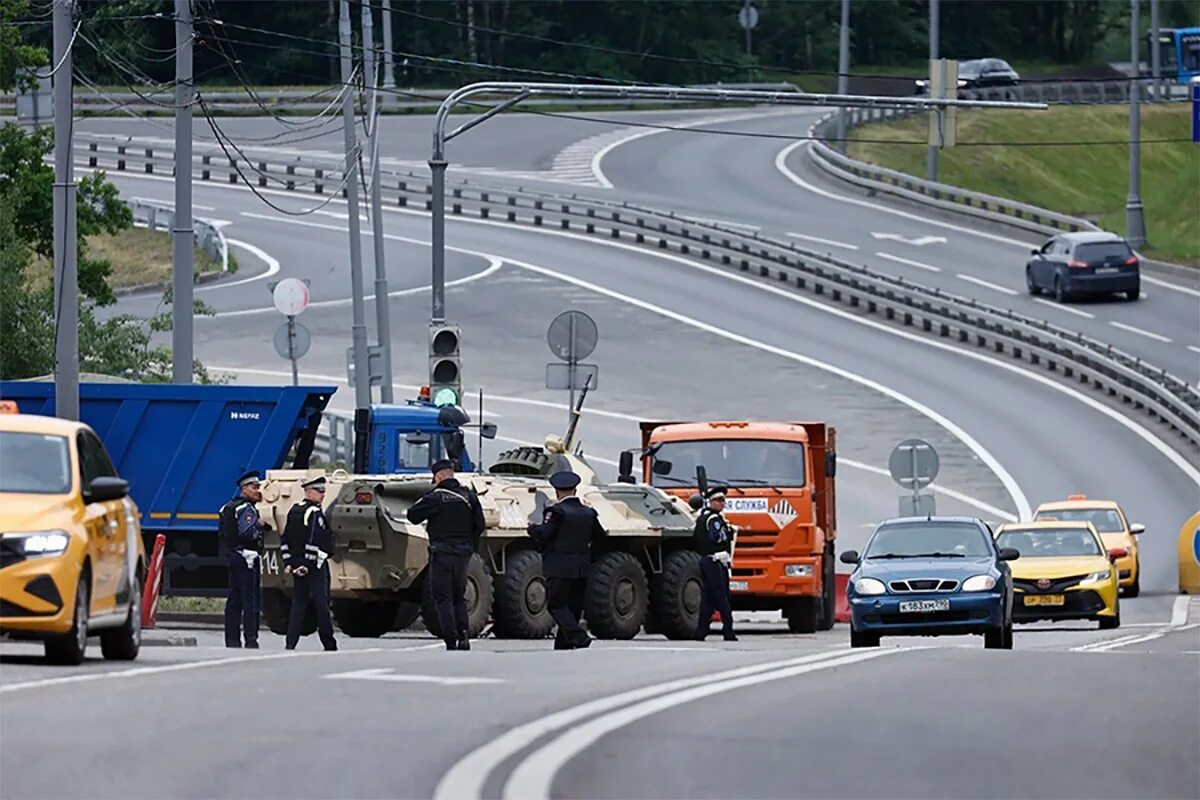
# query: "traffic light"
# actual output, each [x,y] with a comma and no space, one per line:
[445,365]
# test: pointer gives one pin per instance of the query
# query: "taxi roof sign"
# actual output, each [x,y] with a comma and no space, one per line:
[9,407]
[1077,497]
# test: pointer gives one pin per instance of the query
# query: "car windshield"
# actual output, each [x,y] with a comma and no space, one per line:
[1105,520]
[969,69]
[1035,543]
[1099,251]
[34,463]
[732,462]
[911,540]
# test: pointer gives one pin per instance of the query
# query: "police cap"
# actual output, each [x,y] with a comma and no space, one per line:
[715,493]
[316,483]
[564,480]
[441,464]
[248,477]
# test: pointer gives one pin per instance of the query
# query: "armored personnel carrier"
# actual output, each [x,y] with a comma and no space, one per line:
[645,574]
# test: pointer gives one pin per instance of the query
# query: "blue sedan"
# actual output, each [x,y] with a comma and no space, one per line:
[931,576]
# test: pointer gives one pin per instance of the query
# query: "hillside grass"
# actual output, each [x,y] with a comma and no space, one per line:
[139,256]
[1084,180]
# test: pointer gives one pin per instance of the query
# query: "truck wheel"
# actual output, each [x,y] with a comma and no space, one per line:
[123,643]
[802,615]
[70,647]
[277,607]
[367,619]
[617,596]
[675,595]
[828,591]
[521,608]
[406,614]
[479,600]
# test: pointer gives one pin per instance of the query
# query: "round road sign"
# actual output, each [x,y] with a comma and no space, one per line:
[906,471]
[291,296]
[300,343]
[748,17]
[572,336]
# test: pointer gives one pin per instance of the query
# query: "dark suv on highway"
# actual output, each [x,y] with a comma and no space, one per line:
[979,74]
[1086,262]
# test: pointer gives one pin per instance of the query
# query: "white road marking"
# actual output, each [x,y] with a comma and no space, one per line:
[88,677]
[271,262]
[466,778]
[533,776]
[1061,307]
[819,240]
[1139,331]
[920,241]
[1125,641]
[386,674]
[1179,611]
[1193,348]
[783,169]
[988,284]
[910,263]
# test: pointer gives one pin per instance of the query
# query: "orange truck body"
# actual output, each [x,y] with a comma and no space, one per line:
[786,520]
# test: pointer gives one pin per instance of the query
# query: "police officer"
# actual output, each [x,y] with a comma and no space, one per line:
[712,539]
[564,536]
[242,535]
[305,546]
[455,526]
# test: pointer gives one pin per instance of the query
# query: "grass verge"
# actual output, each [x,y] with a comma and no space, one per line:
[139,256]
[191,605]
[1077,178]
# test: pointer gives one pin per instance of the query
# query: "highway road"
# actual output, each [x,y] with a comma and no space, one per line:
[678,339]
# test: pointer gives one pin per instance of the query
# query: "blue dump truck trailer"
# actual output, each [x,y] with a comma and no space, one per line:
[182,446]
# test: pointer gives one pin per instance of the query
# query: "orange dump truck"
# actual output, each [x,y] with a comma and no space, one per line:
[779,478]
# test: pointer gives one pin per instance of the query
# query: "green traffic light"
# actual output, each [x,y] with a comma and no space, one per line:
[445,397]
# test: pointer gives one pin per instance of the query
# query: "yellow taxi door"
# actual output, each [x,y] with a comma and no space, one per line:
[104,526]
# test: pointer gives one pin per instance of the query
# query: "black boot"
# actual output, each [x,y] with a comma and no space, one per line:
[464,641]
[451,644]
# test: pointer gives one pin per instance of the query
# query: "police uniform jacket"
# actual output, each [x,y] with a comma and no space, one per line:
[239,525]
[565,535]
[305,533]
[712,533]
[454,515]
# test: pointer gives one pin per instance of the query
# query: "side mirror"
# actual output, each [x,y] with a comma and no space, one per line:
[831,464]
[849,557]
[1117,552]
[661,468]
[488,430]
[1137,528]
[106,488]
[1009,554]
[1035,251]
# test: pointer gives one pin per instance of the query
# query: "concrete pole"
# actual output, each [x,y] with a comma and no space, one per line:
[382,310]
[1155,54]
[843,81]
[389,70]
[931,159]
[358,330]
[183,236]
[1135,223]
[66,245]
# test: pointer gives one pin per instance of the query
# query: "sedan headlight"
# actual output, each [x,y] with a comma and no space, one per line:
[40,543]
[978,583]
[869,586]
[1097,577]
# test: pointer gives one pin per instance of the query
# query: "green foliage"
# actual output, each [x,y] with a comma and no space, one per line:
[14,53]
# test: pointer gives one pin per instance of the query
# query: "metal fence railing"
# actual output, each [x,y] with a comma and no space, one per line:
[161,216]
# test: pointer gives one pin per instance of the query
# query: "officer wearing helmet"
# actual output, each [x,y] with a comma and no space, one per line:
[712,538]
[305,546]
[565,535]
[241,534]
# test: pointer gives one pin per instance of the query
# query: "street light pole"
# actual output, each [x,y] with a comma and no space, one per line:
[382,309]
[1135,222]
[183,235]
[66,246]
[931,158]
[843,81]
[358,329]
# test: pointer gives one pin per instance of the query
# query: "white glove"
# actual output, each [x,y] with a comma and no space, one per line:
[250,557]
[321,556]
[722,557]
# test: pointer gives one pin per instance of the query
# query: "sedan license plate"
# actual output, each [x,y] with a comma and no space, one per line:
[739,586]
[1045,600]
[1103,270]
[925,605]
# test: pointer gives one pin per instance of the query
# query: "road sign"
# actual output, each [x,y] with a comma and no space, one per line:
[918,505]
[374,365]
[301,340]
[291,296]
[748,17]
[913,464]
[559,376]
[572,335]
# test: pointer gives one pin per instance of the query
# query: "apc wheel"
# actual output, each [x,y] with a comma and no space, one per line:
[522,611]
[406,614]
[828,593]
[70,647]
[675,596]
[479,600]
[364,619]
[863,638]
[1135,588]
[999,639]
[124,643]
[277,608]
[617,597]
[802,616]
[1030,284]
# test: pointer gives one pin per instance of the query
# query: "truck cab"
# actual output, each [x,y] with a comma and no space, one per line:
[779,481]
[406,438]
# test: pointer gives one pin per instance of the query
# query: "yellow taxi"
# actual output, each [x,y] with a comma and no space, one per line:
[1064,572]
[72,561]
[1114,528]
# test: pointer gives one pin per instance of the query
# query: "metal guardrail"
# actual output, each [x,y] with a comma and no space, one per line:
[934,310]
[334,442]
[160,215]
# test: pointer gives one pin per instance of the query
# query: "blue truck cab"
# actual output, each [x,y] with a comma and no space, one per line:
[406,439]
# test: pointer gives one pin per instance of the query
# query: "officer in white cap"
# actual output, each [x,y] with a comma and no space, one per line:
[241,533]
[305,546]
[713,540]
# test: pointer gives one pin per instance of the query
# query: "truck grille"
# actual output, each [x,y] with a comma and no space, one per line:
[923,585]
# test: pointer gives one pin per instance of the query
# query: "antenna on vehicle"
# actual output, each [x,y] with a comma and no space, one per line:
[569,439]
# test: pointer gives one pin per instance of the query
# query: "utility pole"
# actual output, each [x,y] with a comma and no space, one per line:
[182,234]
[1155,54]
[1135,222]
[931,160]
[382,311]
[66,245]
[843,82]
[389,71]
[358,330]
